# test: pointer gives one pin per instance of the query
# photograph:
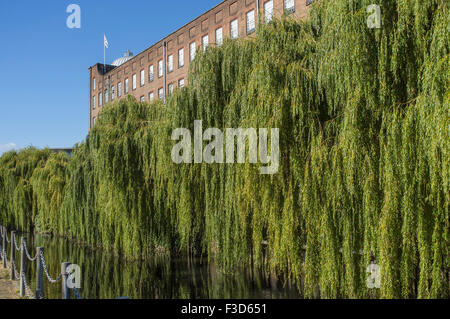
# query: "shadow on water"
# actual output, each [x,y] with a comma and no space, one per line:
[105,275]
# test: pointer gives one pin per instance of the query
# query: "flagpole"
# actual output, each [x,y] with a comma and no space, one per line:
[104,54]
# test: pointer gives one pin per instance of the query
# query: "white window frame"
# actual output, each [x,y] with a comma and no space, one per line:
[134,81]
[160,68]
[161,93]
[289,6]
[181,83]
[94,84]
[192,50]
[181,57]
[142,99]
[119,89]
[219,36]
[151,73]
[100,99]
[170,63]
[142,77]
[251,21]
[151,96]
[127,87]
[234,32]
[93,103]
[205,42]
[113,93]
[170,88]
[268,11]
[106,96]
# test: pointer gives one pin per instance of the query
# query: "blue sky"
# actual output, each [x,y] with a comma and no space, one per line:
[44,76]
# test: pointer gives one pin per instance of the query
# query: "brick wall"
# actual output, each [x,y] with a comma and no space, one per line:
[194,31]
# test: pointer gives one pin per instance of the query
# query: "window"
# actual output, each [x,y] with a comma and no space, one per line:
[180,58]
[192,51]
[94,84]
[234,33]
[170,63]
[126,86]
[93,102]
[100,99]
[119,89]
[219,36]
[170,88]
[142,98]
[151,96]
[205,42]
[106,97]
[289,6]
[181,83]
[94,120]
[134,82]
[268,11]
[151,73]
[161,93]
[142,77]
[113,93]
[160,68]
[250,22]
[308,2]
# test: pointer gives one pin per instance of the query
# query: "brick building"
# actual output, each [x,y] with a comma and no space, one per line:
[156,71]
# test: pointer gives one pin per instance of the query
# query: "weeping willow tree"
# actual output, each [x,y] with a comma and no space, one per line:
[48,183]
[364,148]
[17,201]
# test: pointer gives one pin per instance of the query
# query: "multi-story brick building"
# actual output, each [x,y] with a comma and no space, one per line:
[156,71]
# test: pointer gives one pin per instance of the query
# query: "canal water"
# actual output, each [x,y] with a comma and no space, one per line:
[107,276]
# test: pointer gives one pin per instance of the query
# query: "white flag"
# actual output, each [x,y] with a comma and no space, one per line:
[105,41]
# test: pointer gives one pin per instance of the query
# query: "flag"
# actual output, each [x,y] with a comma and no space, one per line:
[105,41]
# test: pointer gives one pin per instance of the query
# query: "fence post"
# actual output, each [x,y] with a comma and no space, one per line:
[4,247]
[13,255]
[65,275]
[39,251]
[22,266]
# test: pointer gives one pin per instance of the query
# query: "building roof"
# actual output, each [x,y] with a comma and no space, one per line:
[126,57]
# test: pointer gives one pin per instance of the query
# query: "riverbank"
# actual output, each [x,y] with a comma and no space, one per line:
[9,289]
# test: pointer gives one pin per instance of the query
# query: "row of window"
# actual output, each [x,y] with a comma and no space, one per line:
[170,88]
[234,34]
[289,6]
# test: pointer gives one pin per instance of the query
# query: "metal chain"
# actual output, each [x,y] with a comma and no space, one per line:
[53,281]
[27,288]
[28,254]
[15,243]
[13,266]
[77,294]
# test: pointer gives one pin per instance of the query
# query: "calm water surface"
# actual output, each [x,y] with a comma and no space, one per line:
[105,275]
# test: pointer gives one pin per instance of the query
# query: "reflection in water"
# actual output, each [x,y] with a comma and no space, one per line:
[106,276]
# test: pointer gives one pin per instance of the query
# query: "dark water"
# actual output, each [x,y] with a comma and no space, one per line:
[105,275]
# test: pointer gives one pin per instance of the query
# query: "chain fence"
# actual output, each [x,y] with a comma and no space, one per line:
[28,254]
[44,265]
[39,257]
[27,288]
[15,242]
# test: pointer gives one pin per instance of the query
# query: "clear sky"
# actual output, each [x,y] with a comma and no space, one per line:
[44,77]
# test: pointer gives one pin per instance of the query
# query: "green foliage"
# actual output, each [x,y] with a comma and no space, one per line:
[364,168]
